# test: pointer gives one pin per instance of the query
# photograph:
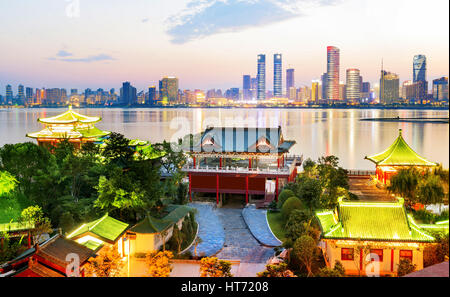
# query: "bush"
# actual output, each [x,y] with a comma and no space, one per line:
[427,217]
[284,195]
[290,205]
[405,267]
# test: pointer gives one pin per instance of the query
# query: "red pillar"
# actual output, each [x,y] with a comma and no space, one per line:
[246,189]
[190,187]
[217,189]
[392,260]
[278,161]
[220,162]
[29,239]
[276,189]
[361,256]
[250,163]
[195,161]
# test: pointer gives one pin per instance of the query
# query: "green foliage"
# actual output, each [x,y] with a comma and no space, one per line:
[430,190]
[437,253]
[301,222]
[34,215]
[290,205]
[284,195]
[10,247]
[337,271]
[426,217]
[11,207]
[7,183]
[305,249]
[405,267]
[309,190]
[277,270]
[117,150]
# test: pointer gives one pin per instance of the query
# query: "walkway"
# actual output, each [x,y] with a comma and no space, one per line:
[366,190]
[239,242]
[256,220]
[210,230]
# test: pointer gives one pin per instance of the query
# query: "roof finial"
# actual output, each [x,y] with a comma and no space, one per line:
[400,131]
[70,107]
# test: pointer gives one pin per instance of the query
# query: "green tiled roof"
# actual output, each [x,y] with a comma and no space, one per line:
[92,132]
[152,225]
[107,228]
[15,226]
[371,221]
[93,245]
[400,154]
[70,117]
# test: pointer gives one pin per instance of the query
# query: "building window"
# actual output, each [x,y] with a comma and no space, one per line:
[379,253]
[406,254]
[347,254]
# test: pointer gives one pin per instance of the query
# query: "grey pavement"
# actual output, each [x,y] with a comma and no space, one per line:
[256,220]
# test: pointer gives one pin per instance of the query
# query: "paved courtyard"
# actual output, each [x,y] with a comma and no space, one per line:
[256,220]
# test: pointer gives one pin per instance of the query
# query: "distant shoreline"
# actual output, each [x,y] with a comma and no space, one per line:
[337,107]
[410,120]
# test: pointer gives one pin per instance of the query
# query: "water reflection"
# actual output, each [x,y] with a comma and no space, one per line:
[317,132]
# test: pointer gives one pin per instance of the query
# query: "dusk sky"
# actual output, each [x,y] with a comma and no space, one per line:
[212,43]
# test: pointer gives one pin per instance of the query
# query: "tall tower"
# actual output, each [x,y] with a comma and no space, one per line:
[419,68]
[333,67]
[246,87]
[277,75]
[353,85]
[261,77]
[290,80]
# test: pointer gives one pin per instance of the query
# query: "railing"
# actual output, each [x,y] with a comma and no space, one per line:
[352,172]
[217,169]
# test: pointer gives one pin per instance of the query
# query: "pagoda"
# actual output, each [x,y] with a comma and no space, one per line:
[398,156]
[252,162]
[70,125]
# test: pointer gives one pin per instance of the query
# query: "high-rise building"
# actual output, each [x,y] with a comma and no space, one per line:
[333,68]
[20,95]
[128,94]
[315,91]
[292,93]
[254,88]
[151,95]
[168,89]
[353,90]
[324,86]
[440,89]
[290,80]
[29,95]
[247,87]
[389,87]
[277,75]
[419,68]
[342,91]
[9,95]
[365,91]
[261,92]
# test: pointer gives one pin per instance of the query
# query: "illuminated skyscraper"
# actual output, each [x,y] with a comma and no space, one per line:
[20,95]
[440,89]
[389,87]
[419,68]
[277,75]
[290,80]
[128,94]
[315,92]
[324,86]
[168,89]
[261,77]
[29,95]
[333,68]
[246,87]
[9,95]
[353,90]
[151,95]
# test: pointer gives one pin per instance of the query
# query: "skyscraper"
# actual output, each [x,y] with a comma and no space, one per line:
[20,95]
[168,89]
[315,92]
[419,68]
[333,68]
[277,75]
[29,95]
[440,89]
[9,95]
[290,80]
[324,86]
[389,87]
[128,94]
[353,90]
[246,87]
[151,95]
[261,77]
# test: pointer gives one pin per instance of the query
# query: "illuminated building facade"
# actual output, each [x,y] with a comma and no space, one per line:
[333,68]
[168,89]
[277,75]
[290,80]
[440,89]
[389,87]
[353,89]
[261,77]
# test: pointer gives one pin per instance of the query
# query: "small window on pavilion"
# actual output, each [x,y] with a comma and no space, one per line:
[376,255]
[406,254]
[347,254]
[208,141]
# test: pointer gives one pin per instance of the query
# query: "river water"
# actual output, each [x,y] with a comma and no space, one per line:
[317,132]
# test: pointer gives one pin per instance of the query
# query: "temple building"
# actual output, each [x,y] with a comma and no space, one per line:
[105,231]
[370,238]
[398,156]
[70,125]
[253,162]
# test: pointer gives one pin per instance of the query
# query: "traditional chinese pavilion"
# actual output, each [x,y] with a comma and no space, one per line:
[358,233]
[398,156]
[249,161]
[74,127]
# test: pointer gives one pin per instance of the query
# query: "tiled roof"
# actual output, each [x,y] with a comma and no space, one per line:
[107,228]
[242,140]
[68,117]
[57,249]
[151,225]
[371,221]
[400,154]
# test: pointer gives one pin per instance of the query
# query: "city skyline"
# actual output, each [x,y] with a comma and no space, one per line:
[78,52]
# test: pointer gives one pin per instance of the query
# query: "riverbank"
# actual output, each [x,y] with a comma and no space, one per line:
[410,120]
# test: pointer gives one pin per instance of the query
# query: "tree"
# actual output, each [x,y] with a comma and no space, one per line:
[284,195]
[405,184]
[276,270]
[405,267]
[332,178]
[9,248]
[158,264]
[337,271]
[290,205]
[309,191]
[310,168]
[107,263]
[430,190]
[117,150]
[7,183]
[305,249]
[213,267]
[197,241]
[34,216]
[300,223]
